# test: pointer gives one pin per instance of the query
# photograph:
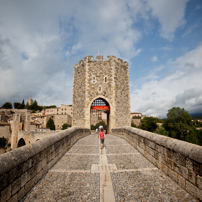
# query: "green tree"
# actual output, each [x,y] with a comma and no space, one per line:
[92,127]
[2,142]
[65,126]
[7,105]
[51,106]
[136,117]
[192,137]
[23,104]
[161,130]
[101,123]
[178,123]
[149,124]
[199,137]
[18,105]
[133,125]
[34,106]
[50,124]
[27,106]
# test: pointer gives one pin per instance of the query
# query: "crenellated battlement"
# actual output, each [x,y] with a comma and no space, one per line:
[100,58]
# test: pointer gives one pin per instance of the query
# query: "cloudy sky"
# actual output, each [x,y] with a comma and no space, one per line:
[41,40]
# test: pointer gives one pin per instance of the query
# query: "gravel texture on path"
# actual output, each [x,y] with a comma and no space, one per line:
[135,179]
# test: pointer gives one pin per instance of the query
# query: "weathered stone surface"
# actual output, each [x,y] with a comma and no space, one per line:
[181,181]
[199,194]
[189,164]
[173,175]
[197,167]
[191,188]
[6,193]
[177,168]
[13,198]
[199,181]
[4,181]
[32,172]
[135,179]
[108,80]
[192,177]
[15,186]
[24,178]
[176,158]
[22,168]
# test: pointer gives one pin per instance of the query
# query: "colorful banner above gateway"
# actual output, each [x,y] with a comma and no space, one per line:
[100,107]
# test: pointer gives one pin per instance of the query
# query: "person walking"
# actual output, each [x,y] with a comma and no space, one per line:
[100,127]
[102,137]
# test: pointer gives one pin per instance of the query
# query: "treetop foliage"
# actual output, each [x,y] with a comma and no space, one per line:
[34,107]
[7,105]
[50,124]
[93,127]
[149,124]
[179,125]
[65,126]
[3,142]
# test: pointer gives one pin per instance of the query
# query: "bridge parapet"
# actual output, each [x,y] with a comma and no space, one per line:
[32,136]
[23,167]
[181,161]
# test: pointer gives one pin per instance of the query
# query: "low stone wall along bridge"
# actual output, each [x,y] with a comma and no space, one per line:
[135,165]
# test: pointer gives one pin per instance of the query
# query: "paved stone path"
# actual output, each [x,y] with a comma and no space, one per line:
[116,173]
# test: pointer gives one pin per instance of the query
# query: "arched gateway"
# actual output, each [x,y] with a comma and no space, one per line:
[101,86]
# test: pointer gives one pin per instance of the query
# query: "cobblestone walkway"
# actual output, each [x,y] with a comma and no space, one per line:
[116,173]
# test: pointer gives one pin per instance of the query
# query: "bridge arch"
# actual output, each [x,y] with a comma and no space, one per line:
[21,142]
[101,105]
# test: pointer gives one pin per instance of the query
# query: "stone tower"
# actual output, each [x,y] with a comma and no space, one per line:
[19,118]
[30,101]
[107,80]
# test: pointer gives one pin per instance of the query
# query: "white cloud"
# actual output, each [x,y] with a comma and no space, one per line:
[192,28]
[181,88]
[198,7]
[154,59]
[40,42]
[170,15]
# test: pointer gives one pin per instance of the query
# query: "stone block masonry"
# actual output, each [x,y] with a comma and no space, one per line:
[108,80]
[23,167]
[180,160]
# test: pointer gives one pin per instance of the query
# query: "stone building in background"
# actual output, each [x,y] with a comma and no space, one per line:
[101,85]
[63,109]
[60,116]
[30,101]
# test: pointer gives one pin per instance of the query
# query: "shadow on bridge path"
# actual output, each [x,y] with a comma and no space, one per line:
[116,173]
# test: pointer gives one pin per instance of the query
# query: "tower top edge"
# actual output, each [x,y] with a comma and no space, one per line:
[100,58]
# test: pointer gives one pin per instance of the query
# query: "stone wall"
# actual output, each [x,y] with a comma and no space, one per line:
[180,160]
[5,131]
[33,136]
[78,101]
[60,119]
[137,122]
[23,167]
[108,80]
[122,95]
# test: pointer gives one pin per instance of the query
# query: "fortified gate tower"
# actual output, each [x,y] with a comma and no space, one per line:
[101,85]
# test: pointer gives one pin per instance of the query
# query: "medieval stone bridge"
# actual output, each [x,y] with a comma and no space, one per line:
[68,166]
[135,165]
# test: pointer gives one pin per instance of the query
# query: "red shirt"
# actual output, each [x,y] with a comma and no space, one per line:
[101,134]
